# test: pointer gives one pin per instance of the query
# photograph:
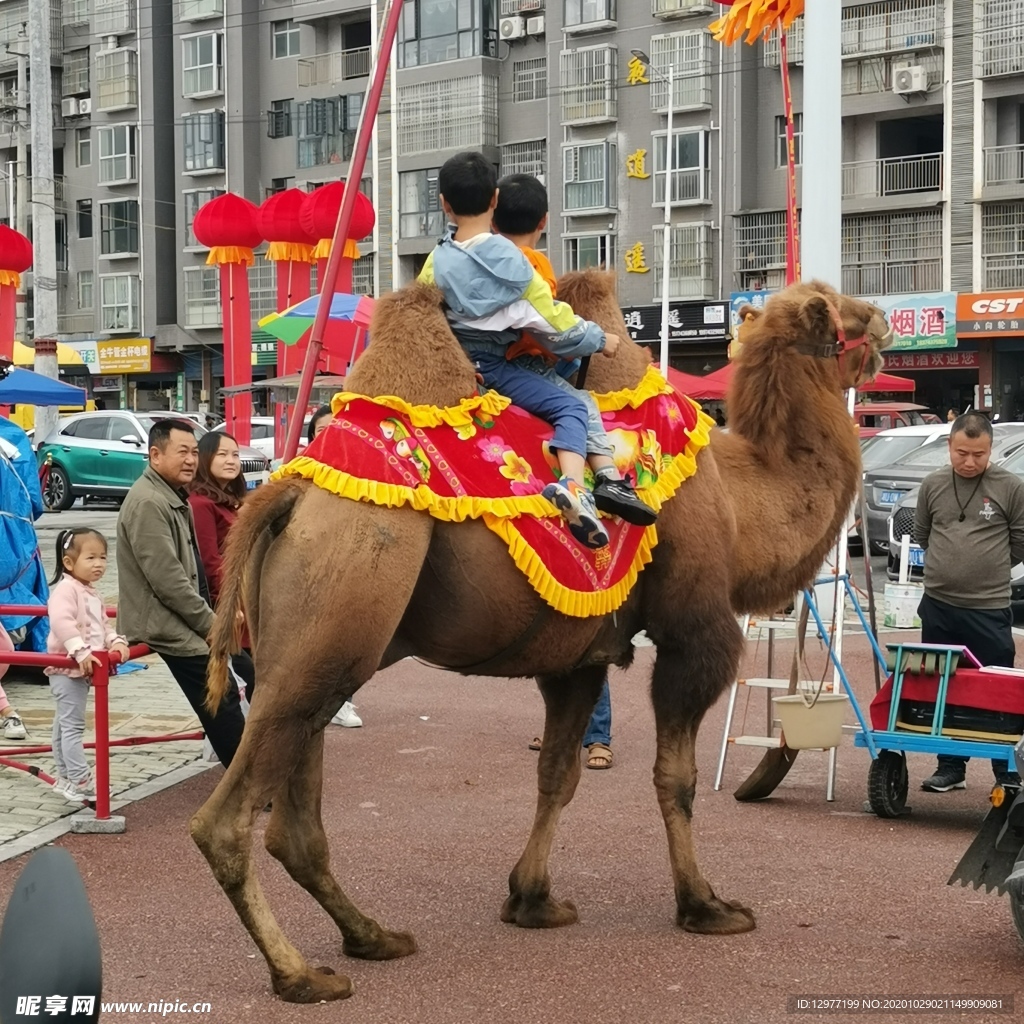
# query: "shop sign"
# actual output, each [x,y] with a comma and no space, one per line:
[124,355]
[988,313]
[932,361]
[737,300]
[920,321]
[179,393]
[264,353]
[106,383]
[688,322]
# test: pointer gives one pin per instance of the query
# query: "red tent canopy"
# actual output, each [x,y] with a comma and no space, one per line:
[888,382]
[707,388]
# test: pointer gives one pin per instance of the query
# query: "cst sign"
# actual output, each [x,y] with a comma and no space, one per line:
[990,314]
[1005,304]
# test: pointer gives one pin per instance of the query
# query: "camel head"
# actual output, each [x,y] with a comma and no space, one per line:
[814,320]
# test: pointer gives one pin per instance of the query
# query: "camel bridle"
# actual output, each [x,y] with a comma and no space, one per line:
[842,346]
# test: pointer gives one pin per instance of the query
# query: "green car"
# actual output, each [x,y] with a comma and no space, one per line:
[104,453]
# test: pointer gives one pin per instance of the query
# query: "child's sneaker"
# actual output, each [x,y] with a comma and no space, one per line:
[59,784]
[80,792]
[578,510]
[14,728]
[617,498]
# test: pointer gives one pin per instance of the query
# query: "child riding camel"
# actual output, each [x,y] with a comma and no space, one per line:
[492,295]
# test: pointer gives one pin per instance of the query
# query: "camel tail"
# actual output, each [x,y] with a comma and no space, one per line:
[263,516]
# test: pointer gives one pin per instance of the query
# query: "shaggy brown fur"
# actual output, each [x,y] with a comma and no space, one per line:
[401,583]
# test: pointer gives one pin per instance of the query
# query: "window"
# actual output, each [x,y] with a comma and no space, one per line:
[432,31]
[780,139]
[759,250]
[279,185]
[581,14]
[525,158]
[529,79]
[76,12]
[689,261]
[588,84]
[193,10]
[589,177]
[1002,245]
[202,297]
[262,289]
[113,17]
[892,254]
[117,79]
[419,205]
[457,113]
[85,289]
[583,251]
[201,64]
[93,428]
[279,119]
[119,302]
[83,210]
[191,201]
[689,167]
[322,139]
[284,39]
[75,77]
[83,147]
[362,275]
[689,55]
[119,227]
[204,141]
[117,154]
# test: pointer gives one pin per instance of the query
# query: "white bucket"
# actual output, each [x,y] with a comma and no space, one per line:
[812,728]
[899,609]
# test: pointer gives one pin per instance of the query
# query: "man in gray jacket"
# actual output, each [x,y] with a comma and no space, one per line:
[163,597]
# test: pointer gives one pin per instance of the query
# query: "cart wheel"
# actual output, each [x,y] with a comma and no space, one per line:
[1017,903]
[887,784]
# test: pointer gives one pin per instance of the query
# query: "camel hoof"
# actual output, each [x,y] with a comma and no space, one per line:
[385,946]
[320,985]
[545,913]
[716,917]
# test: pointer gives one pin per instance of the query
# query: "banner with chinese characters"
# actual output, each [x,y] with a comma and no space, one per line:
[990,313]
[931,361]
[737,300]
[920,321]
[264,353]
[688,322]
[128,355]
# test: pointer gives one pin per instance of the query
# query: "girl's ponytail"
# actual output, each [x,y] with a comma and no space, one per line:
[63,537]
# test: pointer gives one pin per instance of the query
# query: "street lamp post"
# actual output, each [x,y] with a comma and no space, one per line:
[666,255]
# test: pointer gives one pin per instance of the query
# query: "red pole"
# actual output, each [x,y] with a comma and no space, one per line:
[792,232]
[355,175]
[101,686]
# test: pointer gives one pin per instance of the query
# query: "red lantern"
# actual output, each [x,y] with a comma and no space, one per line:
[15,259]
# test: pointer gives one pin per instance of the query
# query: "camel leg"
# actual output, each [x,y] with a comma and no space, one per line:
[685,684]
[569,702]
[295,836]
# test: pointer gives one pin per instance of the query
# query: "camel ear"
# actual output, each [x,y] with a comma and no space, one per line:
[749,313]
[816,317]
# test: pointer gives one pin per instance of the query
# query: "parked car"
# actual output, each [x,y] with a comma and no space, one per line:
[104,453]
[263,434]
[885,447]
[886,486]
[874,417]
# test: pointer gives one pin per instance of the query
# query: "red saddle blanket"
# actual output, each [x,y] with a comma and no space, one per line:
[488,459]
[968,687]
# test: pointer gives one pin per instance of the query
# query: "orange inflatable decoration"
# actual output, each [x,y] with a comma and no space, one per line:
[755,18]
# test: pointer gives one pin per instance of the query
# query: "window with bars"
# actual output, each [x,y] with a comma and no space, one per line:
[689,261]
[525,158]
[892,254]
[586,14]
[689,56]
[75,76]
[119,302]
[85,289]
[279,119]
[278,185]
[529,79]
[362,275]
[83,215]
[458,113]
[1002,245]
[875,74]
[117,153]
[1001,38]
[262,288]
[284,39]
[690,176]
[794,45]
[193,10]
[759,248]
[113,17]
[117,79]
[589,177]
[201,64]
[419,205]
[119,227]
[781,143]
[588,84]
[325,129]
[204,140]
[432,31]
[582,251]
[202,296]
[887,26]
[76,12]
[192,199]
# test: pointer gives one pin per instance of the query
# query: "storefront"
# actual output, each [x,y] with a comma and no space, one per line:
[993,322]
[125,373]
[698,333]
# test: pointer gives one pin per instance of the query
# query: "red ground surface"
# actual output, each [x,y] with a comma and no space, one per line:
[427,816]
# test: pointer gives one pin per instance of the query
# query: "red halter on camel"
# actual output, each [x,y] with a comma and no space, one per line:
[841,346]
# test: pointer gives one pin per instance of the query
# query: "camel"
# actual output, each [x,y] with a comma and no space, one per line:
[744,533]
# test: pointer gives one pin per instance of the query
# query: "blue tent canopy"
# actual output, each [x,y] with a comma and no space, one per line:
[23,387]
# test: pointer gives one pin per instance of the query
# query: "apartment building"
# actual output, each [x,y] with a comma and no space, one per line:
[168,103]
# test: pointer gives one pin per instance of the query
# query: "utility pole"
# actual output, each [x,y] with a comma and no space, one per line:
[21,178]
[44,238]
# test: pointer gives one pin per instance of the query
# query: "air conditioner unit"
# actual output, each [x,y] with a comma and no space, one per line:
[85,105]
[535,26]
[909,79]
[511,28]
[69,107]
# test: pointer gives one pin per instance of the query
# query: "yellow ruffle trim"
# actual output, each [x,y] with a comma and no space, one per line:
[323,249]
[10,277]
[296,252]
[461,415]
[220,254]
[651,385]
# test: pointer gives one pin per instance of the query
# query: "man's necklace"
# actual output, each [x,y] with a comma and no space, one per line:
[963,507]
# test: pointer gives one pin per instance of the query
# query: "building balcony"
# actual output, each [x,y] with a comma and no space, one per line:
[889,26]
[680,8]
[1004,172]
[907,278]
[76,323]
[13,17]
[892,182]
[331,68]
[1000,39]
[514,7]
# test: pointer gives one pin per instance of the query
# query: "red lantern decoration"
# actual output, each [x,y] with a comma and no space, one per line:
[229,225]
[15,259]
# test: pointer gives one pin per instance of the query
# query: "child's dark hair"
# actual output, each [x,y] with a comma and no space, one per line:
[522,204]
[67,544]
[467,181]
[324,410]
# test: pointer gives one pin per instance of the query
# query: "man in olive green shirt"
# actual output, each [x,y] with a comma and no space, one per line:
[970,519]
